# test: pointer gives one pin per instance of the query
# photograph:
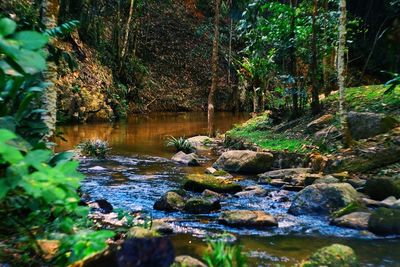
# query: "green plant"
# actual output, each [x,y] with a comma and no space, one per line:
[393,83]
[180,144]
[222,254]
[63,29]
[94,148]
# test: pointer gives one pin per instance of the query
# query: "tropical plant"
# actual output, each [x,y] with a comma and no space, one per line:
[94,148]
[223,254]
[180,144]
[393,83]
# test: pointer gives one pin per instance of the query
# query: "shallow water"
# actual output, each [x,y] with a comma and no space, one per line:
[139,171]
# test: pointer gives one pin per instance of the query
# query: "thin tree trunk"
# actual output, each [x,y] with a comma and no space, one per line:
[315,106]
[214,66]
[255,100]
[292,58]
[49,98]
[127,30]
[341,73]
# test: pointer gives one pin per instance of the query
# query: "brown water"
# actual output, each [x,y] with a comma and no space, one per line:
[139,171]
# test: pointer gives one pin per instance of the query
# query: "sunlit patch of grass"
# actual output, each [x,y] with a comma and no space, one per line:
[371,98]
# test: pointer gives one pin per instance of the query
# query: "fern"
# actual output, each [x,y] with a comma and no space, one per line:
[63,29]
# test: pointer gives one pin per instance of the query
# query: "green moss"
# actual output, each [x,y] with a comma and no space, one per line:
[201,182]
[385,221]
[370,98]
[335,255]
[352,207]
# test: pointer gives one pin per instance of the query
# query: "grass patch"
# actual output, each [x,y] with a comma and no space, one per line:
[370,99]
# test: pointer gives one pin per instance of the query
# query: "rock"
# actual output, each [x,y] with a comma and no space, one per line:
[327,134]
[201,142]
[210,170]
[252,191]
[319,123]
[170,201]
[245,161]
[285,159]
[187,159]
[109,220]
[355,220]
[356,182]
[309,179]
[209,193]
[202,205]
[327,180]
[389,201]
[97,168]
[384,221]
[201,182]
[187,261]
[278,182]
[279,174]
[323,199]
[162,226]
[380,188]
[396,205]
[363,125]
[101,205]
[140,232]
[247,218]
[295,188]
[367,155]
[335,255]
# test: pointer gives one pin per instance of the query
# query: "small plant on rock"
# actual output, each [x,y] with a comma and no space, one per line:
[180,144]
[94,148]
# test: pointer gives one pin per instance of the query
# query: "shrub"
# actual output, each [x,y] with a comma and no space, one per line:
[220,253]
[94,148]
[180,144]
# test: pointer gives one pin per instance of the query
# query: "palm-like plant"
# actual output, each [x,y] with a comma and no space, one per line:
[180,144]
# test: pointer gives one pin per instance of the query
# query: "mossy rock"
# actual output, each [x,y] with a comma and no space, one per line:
[335,255]
[140,232]
[382,187]
[187,261]
[202,205]
[170,201]
[201,182]
[384,221]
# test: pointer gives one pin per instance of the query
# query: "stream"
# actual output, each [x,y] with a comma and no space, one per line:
[138,172]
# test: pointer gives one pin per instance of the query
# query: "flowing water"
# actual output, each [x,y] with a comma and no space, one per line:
[139,171]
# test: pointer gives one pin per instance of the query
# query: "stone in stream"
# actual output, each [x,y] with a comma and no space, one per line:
[380,188]
[209,193]
[283,173]
[202,205]
[323,199]
[327,180]
[247,218]
[252,191]
[367,124]
[187,159]
[170,201]
[335,255]
[201,182]
[384,221]
[245,161]
[101,205]
[140,232]
[188,261]
[355,220]
[201,142]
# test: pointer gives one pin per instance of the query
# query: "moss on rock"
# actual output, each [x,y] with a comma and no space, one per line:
[335,255]
[201,182]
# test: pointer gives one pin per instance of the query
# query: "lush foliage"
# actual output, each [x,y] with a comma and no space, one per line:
[94,148]
[38,190]
[223,254]
[180,144]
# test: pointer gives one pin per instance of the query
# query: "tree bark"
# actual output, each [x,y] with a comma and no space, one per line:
[315,105]
[292,59]
[127,30]
[214,70]
[341,73]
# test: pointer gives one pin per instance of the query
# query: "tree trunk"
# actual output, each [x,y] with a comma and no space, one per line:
[341,73]
[292,59]
[214,70]
[127,30]
[48,9]
[315,106]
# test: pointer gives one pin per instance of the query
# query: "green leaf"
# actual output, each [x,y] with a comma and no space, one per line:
[6,135]
[31,40]
[31,62]
[37,157]
[8,123]
[4,188]
[7,27]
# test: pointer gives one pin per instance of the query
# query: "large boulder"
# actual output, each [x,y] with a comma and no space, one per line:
[188,261]
[201,143]
[355,220]
[335,255]
[366,124]
[245,161]
[202,205]
[323,199]
[382,150]
[186,159]
[201,182]
[380,188]
[320,123]
[247,218]
[170,201]
[384,221]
